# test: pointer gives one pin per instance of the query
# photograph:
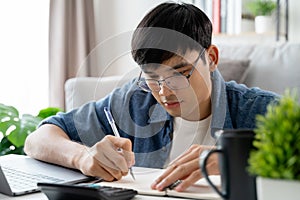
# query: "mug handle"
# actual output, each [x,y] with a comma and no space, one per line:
[203,160]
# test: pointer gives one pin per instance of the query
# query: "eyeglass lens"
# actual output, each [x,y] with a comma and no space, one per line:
[173,82]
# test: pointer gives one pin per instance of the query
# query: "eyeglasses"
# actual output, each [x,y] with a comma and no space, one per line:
[175,82]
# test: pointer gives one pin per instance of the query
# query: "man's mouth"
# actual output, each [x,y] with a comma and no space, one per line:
[171,104]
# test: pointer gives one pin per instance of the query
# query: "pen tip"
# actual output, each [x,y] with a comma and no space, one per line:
[131,173]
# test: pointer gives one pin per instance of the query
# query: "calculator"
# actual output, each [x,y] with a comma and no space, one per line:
[56,191]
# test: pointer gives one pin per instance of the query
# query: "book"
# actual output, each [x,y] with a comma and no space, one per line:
[216,18]
[223,16]
[234,16]
[144,177]
[209,9]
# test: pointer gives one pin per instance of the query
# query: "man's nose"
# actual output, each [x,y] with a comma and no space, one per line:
[164,89]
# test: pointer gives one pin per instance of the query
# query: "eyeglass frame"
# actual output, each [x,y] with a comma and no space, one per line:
[164,80]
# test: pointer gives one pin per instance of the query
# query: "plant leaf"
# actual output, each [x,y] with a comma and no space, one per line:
[6,147]
[8,110]
[27,125]
[277,140]
[14,129]
[47,112]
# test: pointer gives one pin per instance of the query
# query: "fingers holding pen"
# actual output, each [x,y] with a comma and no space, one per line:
[107,159]
[90,166]
[118,151]
[126,149]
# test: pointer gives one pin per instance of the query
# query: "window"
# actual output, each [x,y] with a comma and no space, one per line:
[24,54]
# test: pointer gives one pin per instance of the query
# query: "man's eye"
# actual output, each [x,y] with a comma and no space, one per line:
[177,73]
[184,72]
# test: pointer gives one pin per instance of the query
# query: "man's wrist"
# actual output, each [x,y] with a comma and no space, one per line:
[76,159]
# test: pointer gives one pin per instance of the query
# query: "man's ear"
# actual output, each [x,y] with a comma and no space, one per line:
[213,57]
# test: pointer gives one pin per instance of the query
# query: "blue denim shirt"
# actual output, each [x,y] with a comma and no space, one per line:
[140,118]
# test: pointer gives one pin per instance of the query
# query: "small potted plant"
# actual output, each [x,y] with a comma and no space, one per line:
[15,128]
[262,11]
[276,158]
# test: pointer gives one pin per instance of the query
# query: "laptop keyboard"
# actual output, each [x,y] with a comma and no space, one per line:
[20,180]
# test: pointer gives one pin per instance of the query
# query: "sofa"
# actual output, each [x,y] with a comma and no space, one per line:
[271,66]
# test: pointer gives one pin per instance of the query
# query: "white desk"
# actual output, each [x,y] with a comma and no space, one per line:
[41,196]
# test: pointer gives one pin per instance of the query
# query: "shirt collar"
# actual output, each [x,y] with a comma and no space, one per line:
[219,102]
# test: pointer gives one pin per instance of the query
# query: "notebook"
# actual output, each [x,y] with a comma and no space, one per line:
[144,177]
[20,174]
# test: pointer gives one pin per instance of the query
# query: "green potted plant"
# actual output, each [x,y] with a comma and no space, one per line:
[14,128]
[276,158]
[262,11]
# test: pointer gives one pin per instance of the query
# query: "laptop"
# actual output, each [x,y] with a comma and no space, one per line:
[20,174]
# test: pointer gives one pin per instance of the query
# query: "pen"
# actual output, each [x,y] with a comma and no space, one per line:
[115,131]
[173,185]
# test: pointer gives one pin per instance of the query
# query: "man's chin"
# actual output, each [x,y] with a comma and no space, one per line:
[174,113]
[188,115]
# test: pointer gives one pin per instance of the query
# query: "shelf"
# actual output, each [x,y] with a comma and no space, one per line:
[247,38]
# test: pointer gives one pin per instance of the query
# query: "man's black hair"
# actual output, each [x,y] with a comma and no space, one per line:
[170,29]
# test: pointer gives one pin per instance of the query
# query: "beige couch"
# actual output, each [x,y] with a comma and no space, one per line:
[272,66]
[268,66]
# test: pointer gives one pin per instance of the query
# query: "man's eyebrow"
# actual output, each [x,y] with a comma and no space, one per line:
[175,67]
[180,65]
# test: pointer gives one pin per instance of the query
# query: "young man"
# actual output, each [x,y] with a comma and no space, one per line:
[165,117]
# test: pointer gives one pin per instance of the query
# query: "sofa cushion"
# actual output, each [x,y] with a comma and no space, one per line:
[273,66]
[233,69]
[80,90]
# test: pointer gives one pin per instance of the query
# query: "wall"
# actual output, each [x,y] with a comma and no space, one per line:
[116,20]
[294,19]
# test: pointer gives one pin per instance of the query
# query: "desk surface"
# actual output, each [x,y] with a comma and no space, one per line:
[41,196]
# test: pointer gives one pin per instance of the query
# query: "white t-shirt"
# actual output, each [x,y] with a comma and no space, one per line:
[187,133]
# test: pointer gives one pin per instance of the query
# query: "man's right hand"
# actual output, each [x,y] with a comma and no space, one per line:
[109,159]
